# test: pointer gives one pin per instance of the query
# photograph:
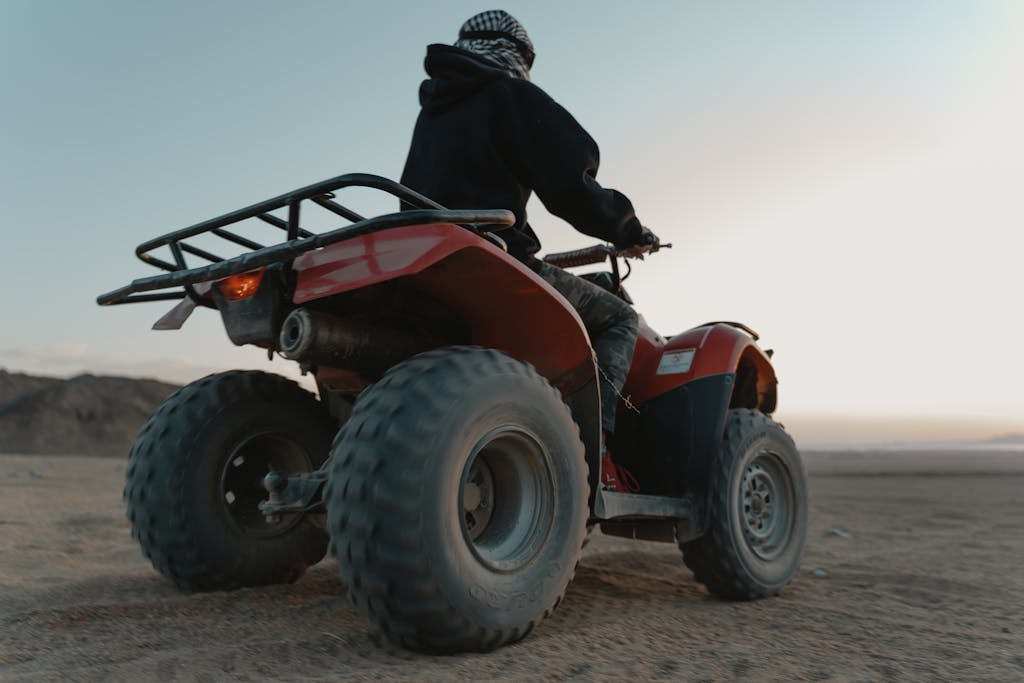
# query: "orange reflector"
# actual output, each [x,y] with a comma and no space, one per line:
[241,286]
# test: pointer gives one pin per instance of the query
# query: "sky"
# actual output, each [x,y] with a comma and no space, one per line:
[843,177]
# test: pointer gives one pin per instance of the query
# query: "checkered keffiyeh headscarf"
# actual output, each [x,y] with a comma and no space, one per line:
[497,36]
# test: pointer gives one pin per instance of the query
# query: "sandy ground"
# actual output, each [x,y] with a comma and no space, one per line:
[906,577]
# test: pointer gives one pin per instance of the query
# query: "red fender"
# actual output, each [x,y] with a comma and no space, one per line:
[505,304]
[660,365]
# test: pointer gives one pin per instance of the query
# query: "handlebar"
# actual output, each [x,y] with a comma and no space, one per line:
[590,255]
[580,257]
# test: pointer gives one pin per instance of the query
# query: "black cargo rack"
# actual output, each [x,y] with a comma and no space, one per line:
[298,240]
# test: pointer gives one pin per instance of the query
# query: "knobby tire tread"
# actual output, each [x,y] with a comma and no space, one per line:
[390,575]
[154,491]
[714,558]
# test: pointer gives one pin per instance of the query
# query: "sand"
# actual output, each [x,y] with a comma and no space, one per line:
[913,574]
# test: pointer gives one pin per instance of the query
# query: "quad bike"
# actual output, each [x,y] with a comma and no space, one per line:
[458,491]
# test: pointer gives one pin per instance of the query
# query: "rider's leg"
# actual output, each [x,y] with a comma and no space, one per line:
[612,325]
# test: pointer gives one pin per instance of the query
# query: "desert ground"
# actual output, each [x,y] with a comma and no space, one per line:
[914,570]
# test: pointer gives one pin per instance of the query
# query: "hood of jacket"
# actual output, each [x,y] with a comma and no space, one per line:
[455,74]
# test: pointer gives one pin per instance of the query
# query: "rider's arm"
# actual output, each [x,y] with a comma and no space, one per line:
[552,154]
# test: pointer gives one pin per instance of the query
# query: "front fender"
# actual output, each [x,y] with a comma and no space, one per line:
[661,365]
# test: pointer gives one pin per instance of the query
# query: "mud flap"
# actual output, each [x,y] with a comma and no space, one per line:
[176,317]
[585,404]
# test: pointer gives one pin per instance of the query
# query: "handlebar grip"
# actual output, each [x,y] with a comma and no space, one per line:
[578,257]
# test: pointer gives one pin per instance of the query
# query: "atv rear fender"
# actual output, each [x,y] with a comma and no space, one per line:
[503,303]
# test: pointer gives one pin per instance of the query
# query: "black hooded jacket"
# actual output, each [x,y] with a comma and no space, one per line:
[486,140]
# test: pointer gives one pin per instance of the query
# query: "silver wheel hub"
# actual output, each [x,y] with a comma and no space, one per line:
[766,505]
[506,498]
[476,498]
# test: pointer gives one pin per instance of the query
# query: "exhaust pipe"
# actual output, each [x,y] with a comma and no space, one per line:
[320,338]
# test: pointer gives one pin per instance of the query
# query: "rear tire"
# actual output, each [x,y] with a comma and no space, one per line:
[457,500]
[194,481]
[758,512]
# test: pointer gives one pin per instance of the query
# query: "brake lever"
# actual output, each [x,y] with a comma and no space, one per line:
[623,253]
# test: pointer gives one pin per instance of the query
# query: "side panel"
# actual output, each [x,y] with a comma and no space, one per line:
[670,441]
[682,388]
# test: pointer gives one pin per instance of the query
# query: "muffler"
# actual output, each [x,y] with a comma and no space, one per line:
[317,338]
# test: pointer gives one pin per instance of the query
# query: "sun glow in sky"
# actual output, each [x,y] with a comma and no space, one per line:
[844,177]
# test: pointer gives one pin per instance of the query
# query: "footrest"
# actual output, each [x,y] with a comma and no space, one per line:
[610,505]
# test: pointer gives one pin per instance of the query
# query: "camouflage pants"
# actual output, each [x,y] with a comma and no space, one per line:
[612,326]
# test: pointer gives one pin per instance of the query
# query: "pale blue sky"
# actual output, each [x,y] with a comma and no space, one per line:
[843,176]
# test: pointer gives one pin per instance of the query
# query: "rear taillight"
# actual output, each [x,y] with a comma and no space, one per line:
[241,286]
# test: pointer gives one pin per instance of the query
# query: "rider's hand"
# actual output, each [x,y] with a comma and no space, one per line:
[648,242]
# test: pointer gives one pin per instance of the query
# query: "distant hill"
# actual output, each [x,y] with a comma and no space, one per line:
[1008,439]
[13,385]
[85,415]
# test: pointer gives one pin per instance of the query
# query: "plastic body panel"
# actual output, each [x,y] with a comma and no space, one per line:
[505,304]
[363,261]
[717,349]
[670,442]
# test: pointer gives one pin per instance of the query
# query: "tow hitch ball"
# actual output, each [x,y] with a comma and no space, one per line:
[296,493]
[275,484]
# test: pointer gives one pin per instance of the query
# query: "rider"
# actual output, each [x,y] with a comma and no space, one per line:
[488,137]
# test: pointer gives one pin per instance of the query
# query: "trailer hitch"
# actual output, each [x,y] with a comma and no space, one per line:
[297,493]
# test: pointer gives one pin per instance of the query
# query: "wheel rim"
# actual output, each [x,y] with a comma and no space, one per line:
[241,481]
[766,504]
[505,502]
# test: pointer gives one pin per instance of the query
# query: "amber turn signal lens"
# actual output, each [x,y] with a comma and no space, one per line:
[241,286]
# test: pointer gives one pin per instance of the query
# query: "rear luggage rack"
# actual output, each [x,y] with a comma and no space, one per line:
[298,240]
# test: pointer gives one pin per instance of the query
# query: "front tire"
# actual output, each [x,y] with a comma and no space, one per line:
[194,481]
[457,500]
[758,512]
